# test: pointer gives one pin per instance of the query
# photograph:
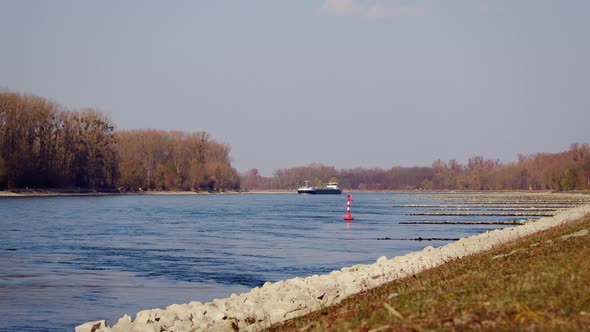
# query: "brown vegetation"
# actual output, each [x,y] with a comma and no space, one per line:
[569,170]
[153,159]
[359,178]
[43,145]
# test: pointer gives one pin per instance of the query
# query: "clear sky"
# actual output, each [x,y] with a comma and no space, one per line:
[347,83]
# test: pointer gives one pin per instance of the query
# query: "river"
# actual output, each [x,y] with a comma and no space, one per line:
[68,260]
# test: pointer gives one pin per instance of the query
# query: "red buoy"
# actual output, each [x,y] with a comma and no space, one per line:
[348,216]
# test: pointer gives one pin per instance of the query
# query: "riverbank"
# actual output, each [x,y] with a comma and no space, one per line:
[110,192]
[90,192]
[276,302]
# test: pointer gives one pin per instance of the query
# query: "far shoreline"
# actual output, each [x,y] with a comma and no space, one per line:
[113,192]
[90,192]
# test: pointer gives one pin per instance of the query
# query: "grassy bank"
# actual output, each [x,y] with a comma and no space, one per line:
[541,281]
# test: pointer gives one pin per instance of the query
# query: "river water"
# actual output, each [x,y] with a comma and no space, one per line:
[68,260]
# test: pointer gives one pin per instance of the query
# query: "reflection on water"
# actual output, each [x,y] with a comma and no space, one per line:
[348,225]
[67,260]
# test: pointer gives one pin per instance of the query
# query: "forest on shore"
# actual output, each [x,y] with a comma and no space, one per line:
[568,170]
[46,146]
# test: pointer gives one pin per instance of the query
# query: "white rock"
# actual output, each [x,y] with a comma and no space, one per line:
[148,316]
[143,327]
[91,326]
[214,313]
[123,324]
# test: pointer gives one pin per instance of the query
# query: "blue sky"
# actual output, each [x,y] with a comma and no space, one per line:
[348,83]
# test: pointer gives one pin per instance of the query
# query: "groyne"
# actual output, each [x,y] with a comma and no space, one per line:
[283,300]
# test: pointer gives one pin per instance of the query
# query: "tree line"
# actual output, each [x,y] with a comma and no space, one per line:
[174,160]
[396,178]
[568,170]
[44,145]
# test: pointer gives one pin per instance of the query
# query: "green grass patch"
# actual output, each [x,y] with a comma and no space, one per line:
[540,282]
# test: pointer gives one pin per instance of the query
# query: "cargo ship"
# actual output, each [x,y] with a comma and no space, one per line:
[330,189]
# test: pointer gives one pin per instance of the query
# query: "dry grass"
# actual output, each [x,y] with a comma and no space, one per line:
[541,282]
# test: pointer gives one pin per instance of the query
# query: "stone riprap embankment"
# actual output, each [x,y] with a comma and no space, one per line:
[279,301]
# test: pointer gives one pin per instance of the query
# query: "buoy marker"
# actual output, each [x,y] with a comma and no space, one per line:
[348,216]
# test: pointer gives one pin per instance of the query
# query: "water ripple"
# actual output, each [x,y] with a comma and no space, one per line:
[68,260]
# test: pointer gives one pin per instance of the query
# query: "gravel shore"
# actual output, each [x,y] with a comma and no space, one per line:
[279,301]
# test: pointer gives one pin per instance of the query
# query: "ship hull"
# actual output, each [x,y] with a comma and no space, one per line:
[330,189]
[320,191]
[325,191]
